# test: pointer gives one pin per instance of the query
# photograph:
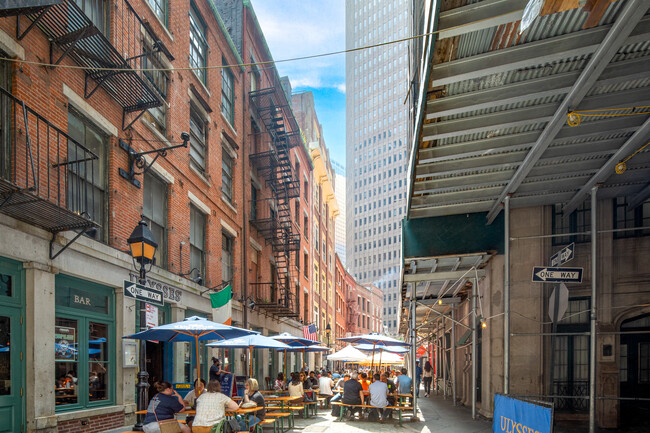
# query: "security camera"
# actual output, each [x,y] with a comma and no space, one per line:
[198,280]
[251,305]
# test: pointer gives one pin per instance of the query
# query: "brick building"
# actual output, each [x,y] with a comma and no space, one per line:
[71,198]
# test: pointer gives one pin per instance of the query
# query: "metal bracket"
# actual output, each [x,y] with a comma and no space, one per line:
[136,159]
[73,240]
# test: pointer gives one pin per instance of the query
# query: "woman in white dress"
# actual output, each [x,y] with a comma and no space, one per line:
[211,408]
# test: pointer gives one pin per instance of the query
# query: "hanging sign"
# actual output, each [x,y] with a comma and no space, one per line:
[151,314]
[518,416]
[547,274]
[142,293]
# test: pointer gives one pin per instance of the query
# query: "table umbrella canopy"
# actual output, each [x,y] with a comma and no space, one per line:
[348,354]
[374,339]
[250,342]
[378,347]
[294,341]
[191,329]
[387,358]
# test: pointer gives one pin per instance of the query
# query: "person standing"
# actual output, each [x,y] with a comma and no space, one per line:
[215,370]
[418,378]
[428,378]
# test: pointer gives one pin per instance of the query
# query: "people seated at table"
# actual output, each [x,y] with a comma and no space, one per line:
[353,394]
[252,394]
[163,406]
[378,398]
[325,385]
[404,382]
[392,390]
[339,388]
[211,408]
[307,387]
[364,381]
[190,397]
[312,378]
[295,388]
[279,385]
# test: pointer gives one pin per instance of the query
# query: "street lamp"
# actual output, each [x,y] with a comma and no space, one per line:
[143,249]
[328,330]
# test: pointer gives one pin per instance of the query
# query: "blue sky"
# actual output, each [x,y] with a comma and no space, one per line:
[296,28]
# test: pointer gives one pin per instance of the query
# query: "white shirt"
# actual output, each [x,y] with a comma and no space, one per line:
[378,391]
[210,409]
[295,390]
[325,385]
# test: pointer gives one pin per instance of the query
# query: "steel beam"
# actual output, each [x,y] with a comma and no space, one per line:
[617,35]
[639,197]
[533,54]
[440,276]
[639,138]
[478,16]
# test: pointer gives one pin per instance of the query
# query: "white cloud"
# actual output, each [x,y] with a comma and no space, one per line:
[294,28]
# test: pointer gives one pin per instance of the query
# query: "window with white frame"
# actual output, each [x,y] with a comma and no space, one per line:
[198,45]
[227,95]
[227,164]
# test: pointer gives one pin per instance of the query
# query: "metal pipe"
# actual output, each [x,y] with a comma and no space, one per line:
[453,356]
[444,361]
[506,298]
[474,357]
[592,352]
[413,350]
[557,235]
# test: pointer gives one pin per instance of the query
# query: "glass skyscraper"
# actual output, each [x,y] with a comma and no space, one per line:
[377,79]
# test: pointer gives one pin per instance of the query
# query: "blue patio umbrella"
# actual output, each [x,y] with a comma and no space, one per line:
[192,329]
[374,339]
[299,343]
[250,342]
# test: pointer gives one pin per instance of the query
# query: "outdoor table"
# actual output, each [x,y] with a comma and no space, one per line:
[242,411]
[282,400]
[401,397]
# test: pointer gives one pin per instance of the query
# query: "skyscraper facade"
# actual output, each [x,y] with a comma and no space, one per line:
[340,194]
[376,135]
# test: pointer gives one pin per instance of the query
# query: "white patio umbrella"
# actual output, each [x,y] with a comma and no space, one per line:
[348,354]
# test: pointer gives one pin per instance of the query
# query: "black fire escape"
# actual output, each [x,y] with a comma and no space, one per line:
[110,42]
[271,216]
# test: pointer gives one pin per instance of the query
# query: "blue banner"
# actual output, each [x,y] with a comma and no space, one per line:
[516,416]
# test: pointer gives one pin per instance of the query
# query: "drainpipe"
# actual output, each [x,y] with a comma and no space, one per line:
[506,298]
[453,354]
[592,352]
[473,316]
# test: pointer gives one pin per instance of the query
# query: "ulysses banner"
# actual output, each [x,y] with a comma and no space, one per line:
[517,416]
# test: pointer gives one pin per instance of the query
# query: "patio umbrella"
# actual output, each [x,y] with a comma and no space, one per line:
[191,329]
[295,342]
[382,349]
[374,339]
[250,342]
[348,354]
[388,358]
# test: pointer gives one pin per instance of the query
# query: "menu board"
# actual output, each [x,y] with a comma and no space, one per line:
[65,343]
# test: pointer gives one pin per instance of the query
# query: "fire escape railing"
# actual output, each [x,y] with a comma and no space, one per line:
[282,306]
[115,50]
[272,217]
[46,177]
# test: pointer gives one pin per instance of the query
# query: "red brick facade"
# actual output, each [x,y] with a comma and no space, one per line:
[92,424]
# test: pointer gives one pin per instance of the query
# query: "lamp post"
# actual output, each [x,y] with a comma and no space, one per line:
[328,330]
[143,248]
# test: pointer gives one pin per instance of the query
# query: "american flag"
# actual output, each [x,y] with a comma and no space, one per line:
[309,332]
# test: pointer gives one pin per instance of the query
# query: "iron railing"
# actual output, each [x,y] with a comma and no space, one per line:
[116,48]
[46,177]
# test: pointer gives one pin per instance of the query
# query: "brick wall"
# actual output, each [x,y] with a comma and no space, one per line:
[92,424]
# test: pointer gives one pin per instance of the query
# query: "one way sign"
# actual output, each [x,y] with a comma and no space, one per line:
[545,274]
[142,293]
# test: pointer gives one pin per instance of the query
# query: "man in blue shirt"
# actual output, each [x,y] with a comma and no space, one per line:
[404,383]
[418,377]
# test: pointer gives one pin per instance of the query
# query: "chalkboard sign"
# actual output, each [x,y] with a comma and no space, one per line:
[226,384]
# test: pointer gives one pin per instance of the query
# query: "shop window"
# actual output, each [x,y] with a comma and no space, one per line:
[198,45]
[87,180]
[84,339]
[154,210]
[197,241]
[227,257]
[625,218]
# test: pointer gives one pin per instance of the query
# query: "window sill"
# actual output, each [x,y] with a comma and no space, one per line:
[155,132]
[199,174]
[201,83]
[227,203]
[232,128]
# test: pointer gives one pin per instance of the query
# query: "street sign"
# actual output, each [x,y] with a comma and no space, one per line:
[563,292]
[142,293]
[547,274]
[563,256]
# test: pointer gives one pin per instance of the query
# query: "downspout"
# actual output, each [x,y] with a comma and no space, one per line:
[506,298]
[243,177]
[592,337]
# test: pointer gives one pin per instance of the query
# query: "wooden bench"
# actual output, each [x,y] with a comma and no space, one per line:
[399,410]
[260,425]
[309,405]
[281,416]
[344,406]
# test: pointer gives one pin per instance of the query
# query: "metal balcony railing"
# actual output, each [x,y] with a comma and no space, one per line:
[113,45]
[46,178]
[274,299]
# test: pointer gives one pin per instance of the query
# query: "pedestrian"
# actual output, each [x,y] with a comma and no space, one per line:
[215,370]
[428,377]
[418,378]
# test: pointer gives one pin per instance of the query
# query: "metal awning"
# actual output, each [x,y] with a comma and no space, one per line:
[540,115]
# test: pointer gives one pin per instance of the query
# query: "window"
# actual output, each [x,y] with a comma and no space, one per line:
[197,138]
[198,45]
[305,224]
[88,191]
[227,95]
[97,11]
[306,261]
[255,75]
[254,194]
[160,9]
[578,221]
[154,210]
[153,66]
[227,257]
[644,362]
[197,241]
[84,333]
[637,217]
[226,174]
